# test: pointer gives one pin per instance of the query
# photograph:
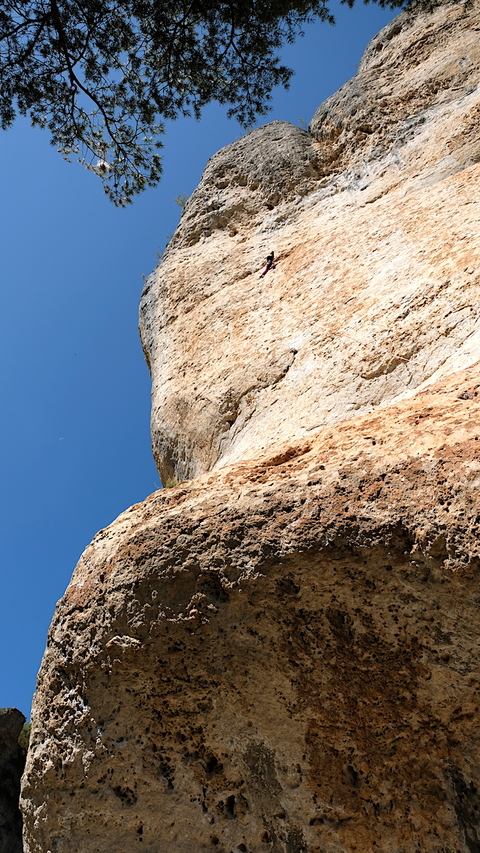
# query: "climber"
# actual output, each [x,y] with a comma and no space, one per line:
[270,264]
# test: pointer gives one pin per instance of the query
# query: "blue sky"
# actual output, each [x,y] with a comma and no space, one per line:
[74,386]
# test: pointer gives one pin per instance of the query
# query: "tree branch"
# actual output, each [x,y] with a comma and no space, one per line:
[74,80]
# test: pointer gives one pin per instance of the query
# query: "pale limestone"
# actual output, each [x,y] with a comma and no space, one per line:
[377,284]
[283,654]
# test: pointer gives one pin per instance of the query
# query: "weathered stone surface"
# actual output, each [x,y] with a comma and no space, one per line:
[377,286]
[12,762]
[272,164]
[379,110]
[283,654]
[280,656]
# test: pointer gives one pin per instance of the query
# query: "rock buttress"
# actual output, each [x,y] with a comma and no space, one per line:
[374,220]
[280,656]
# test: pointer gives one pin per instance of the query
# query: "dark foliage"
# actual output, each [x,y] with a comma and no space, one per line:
[102,75]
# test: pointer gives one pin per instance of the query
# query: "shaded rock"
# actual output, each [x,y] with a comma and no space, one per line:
[12,762]
[246,179]
[380,110]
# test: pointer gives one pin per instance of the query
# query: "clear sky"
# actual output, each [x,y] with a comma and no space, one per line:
[75,391]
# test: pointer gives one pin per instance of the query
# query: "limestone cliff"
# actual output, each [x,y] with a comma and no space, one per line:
[283,654]
[374,217]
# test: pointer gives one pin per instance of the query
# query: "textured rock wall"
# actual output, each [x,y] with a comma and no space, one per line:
[375,219]
[281,656]
[12,762]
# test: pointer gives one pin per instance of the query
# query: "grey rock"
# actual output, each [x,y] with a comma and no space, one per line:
[246,179]
[380,109]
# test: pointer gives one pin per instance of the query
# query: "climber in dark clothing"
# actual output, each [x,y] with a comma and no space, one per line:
[270,264]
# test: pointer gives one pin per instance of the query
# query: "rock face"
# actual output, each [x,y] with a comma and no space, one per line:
[283,654]
[375,221]
[12,762]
